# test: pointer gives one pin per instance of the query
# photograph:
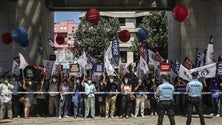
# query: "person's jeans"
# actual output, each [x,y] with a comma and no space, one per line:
[78,106]
[63,106]
[6,107]
[215,105]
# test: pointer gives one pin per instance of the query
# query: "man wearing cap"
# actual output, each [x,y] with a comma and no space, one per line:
[165,94]
[193,89]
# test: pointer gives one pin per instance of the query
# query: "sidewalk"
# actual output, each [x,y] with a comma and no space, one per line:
[147,120]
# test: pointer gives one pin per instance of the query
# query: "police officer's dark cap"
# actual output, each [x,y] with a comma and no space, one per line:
[54,76]
[166,77]
[194,74]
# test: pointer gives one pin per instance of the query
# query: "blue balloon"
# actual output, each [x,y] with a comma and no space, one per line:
[19,35]
[143,34]
[24,43]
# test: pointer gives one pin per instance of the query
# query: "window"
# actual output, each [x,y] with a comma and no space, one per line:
[123,56]
[139,21]
[122,21]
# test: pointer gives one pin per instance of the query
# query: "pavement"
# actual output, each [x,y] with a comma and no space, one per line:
[147,120]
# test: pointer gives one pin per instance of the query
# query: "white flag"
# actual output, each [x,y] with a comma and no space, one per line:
[210,52]
[143,65]
[109,68]
[15,68]
[23,62]
[184,73]
[82,60]
[207,71]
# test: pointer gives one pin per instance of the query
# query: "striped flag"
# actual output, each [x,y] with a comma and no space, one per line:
[210,52]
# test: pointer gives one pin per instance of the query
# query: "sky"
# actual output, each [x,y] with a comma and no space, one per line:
[63,16]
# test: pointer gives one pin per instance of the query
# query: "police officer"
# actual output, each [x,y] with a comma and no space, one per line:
[165,94]
[193,89]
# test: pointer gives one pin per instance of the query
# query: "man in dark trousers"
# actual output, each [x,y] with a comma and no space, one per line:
[193,89]
[165,94]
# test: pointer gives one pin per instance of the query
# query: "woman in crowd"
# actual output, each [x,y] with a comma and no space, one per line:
[140,98]
[77,98]
[89,97]
[27,98]
[63,103]
[125,100]
[101,97]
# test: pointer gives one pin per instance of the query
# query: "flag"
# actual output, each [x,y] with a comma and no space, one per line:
[48,65]
[143,65]
[210,52]
[219,68]
[184,73]
[158,77]
[173,71]
[207,71]
[109,68]
[154,58]
[23,62]
[198,58]
[115,48]
[82,60]
[55,69]
[15,68]
[203,58]
[187,63]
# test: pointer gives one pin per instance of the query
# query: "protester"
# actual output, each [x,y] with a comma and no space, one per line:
[27,98]
[140,98]
[165,94]
[110,86]
[193,89]
[53,97]
[15,97]
[125,100]
[77,98]
[6,95]
[41,100]
[89,98]
[63,103]
[101,97]
[153,101]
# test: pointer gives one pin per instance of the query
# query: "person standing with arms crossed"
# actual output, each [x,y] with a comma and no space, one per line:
[165,94]
[193,89]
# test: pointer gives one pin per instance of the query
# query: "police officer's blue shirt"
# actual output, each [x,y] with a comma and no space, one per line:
[165,91]
[194,88]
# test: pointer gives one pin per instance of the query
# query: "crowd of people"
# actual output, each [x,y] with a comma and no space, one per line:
[75,97]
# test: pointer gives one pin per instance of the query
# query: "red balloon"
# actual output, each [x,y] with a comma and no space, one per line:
[6,38]
[60,39]
[180,13]
[124,35]
[92,15]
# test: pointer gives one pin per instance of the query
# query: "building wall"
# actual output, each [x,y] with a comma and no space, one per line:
[66,27]
[36,19]
[205,19]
